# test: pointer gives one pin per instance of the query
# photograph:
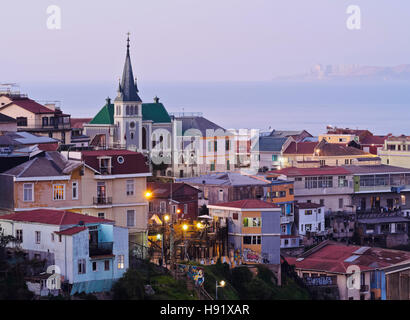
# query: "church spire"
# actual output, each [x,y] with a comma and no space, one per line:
[128,90]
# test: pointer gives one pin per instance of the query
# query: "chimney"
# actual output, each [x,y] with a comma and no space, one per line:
[51,106]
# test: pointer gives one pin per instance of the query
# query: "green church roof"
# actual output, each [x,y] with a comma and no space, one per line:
[106,114]
[155,112]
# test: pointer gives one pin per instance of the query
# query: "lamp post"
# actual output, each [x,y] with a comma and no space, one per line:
[220,285]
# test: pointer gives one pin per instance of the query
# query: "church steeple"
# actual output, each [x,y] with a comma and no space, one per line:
[128,90]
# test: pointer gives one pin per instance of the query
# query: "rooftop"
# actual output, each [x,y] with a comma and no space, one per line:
[247,204]
[308,205]
[301,148]
[226,178]
[334,257]
[53,217]
[49,165]
[322,171]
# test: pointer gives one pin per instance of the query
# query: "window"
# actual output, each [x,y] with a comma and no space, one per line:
[256,239]
[322,163]
[81,266]
[274,157]
[346,161]
[120,159]
[340,203]
[228,165]
[94,265]
[45,121]
[235,216]
[251,222]
[75,190]
[342,181]
[130,187]
[308,227]
[247,240]
[283,228]
[322,202]
[162,206]
[28,192]
[308,212]
[298,179]
[215,145]
[19,235]
[403,199]
[58,191]
[185,208]
[121,264]
[209,146]
[221,195]
[318,182]
[130,218]
[291,191]
[212,166]
[52,237]
[227,144]
[282,194]
[21,121]
[60,238]
[106,265]
[38,237]
[101,215]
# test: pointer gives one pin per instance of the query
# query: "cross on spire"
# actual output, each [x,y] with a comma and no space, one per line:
[128,40]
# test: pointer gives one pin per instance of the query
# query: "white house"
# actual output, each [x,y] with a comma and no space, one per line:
[310,217]
[86,252]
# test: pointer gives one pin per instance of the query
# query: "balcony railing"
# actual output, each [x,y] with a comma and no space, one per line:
[287,219]
[100,248]
[102,200]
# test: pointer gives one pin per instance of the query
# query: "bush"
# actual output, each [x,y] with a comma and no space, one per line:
[129,287]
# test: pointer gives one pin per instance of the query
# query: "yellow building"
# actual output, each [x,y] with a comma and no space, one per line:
[109,184]
[46,120]
[396,151]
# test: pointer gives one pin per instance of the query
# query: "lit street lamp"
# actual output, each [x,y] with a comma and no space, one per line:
[220,285]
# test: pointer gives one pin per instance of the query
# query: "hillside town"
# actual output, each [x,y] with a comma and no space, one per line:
[85,201]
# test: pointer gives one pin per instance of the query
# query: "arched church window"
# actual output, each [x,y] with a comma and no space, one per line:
[127,110]
[131,110]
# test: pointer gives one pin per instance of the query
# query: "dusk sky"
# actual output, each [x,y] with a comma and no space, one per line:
[196,40]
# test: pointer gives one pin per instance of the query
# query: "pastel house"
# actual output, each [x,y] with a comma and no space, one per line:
[253,229]
[88,253]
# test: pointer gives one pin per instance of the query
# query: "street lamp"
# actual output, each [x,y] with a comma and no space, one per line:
[185,227]
[148,194]
[220,285]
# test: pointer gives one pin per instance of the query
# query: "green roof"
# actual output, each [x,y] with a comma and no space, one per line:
[105,116]
[155,112]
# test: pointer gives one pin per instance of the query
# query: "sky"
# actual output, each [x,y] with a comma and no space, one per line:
[196,40]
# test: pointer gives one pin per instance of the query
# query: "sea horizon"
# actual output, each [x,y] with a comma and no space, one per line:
[381,107]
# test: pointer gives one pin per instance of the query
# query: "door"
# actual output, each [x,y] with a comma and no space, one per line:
[101,194]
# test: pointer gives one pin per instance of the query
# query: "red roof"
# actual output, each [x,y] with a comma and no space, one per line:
[132,162]
[32,106]
[369,140]
[78,123]
[71,231]
[163,190]
[322,171]
[54,217]
[332,258]
[248,204]
[308,205]
[301,148]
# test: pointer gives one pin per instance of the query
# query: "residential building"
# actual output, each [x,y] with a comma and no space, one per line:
[103,183]
[357,273]
[331,187]
[78,138]
[253,229]
[313,154]
[310,218]
[173,198]
[226,187]
[87,253]
[270,151]
[7,124]
[33,117]
[396,151]
[296,135]
[201,147]
[383,229]
[18,147]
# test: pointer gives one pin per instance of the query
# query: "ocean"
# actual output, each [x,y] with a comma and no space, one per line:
[379,107]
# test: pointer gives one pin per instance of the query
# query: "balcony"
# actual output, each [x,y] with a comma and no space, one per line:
[102,200]
[100,248]
[287,219]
